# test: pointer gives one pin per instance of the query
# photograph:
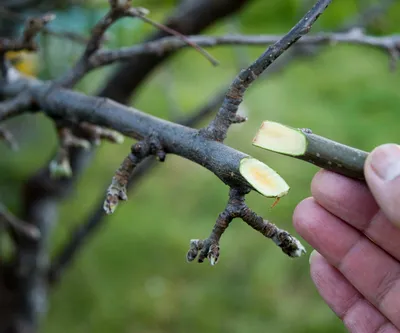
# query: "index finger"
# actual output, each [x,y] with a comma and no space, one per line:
[352,202]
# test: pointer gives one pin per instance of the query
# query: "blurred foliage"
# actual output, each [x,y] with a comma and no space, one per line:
[132,276]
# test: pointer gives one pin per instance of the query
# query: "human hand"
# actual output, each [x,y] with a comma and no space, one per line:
[356,230]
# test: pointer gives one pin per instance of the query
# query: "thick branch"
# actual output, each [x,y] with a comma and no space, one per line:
[60,103]
[303,145]
[227,115]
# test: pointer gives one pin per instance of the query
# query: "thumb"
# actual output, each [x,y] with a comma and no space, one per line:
[382,173]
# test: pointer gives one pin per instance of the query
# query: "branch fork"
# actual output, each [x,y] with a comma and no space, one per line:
[237,208]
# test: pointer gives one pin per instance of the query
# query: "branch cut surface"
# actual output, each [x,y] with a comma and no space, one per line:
[264,179]
[281,139]
[304,145]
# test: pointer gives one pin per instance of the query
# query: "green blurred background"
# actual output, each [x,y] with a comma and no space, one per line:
[133,276]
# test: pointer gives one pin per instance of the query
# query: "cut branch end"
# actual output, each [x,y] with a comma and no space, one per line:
[281,139]
[264,179]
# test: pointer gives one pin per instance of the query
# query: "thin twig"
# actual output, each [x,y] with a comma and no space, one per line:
[168,44]
[8,138]
[227,115]
[15,106]
[117,10]
[17,225]
[27,42]
[140,14]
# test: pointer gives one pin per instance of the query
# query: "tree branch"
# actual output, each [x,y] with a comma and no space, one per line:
[190,17]
[236,207]
[167,44]
[18,226]
[15,106]
[79,236]
[8,138]
[227,115]
[118,9]
[27,42]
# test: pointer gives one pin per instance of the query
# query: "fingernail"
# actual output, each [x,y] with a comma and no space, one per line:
[313,254]
[385,161]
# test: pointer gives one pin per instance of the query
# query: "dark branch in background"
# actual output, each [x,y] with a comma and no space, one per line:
[356,36]
[118,10]
[368,15]
[15,106]
[17,225]
[27,42]
[190,17]
[8,138]
[74,37]
[227,115]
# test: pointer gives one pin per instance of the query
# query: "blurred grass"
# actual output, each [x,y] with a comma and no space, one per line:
[132,276]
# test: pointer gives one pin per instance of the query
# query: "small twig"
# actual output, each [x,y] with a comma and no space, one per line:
[8,138]
[15,106]
[304,145]
[17,225]
[60,166]
[140,13]
[139,151]
[237,208]
[96,134]
[90,58]
[27,42]
[227,115]
[83,135]
[369,15]
[74,37]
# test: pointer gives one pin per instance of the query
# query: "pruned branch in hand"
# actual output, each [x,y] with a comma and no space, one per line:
[236,208]
[304,145]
